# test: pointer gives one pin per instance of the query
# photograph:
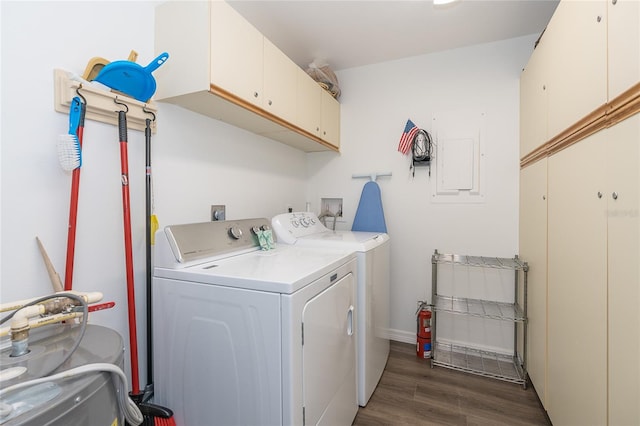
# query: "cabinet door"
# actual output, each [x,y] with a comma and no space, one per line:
[236,54]
[308,103]
[624,45]
[279,83]
[623,179]
[330,128]
[577,285]
[533,101]
[533,249]
[577,35]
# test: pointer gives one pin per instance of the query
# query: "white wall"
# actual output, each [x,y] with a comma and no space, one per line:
[376,102]
[196,161]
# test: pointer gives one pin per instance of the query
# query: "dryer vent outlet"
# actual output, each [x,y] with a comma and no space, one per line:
[217,212]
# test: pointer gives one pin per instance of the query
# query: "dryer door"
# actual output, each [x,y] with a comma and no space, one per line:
[329,355]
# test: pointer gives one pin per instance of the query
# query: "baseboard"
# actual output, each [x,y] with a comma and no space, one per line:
[402,336]
[410,338]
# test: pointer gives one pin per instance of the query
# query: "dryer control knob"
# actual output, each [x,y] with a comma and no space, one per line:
[235,233]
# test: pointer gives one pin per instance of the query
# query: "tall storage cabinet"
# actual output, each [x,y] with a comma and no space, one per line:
[507,367]
[577,286]
[533,247]
[580,213]
[622,195]
[594,239]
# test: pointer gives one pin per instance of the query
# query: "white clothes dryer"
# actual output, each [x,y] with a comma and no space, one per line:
[303,229]
[243,336]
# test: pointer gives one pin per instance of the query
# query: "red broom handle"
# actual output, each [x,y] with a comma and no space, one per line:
[124,165]
[73,211]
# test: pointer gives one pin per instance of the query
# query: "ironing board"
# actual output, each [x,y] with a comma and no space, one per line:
[370,215]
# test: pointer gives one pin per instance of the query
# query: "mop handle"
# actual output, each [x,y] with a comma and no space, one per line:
[126,211]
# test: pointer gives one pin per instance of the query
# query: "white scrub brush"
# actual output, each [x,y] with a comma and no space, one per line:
[69,151]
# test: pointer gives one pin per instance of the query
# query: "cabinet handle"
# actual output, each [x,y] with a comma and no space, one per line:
[599,194]
[614,2]
[270,102]
[599,18]
[544,197]
[255,94]
[614,195]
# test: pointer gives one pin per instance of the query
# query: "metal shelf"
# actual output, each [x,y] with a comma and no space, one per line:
[483,363]
[479,308]
[510,368]
[480,261]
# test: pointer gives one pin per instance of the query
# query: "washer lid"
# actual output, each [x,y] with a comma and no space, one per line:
[284,269]
[350,240]
[304,228]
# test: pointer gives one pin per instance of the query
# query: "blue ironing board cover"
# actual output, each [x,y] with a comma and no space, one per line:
[370,216]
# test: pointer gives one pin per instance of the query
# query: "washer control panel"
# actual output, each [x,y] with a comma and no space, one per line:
[200,240]
[288,227]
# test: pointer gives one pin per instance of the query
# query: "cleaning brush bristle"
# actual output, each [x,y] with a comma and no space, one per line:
[69,152]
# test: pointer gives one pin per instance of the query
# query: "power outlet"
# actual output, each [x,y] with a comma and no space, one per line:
[218,212]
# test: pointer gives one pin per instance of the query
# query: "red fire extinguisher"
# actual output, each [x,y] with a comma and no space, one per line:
[423,337]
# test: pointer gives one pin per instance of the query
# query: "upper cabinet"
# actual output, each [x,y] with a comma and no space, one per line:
[330,119]
[577,61]
[280,74]
[223,67]
[586,65]
[624,45]
[318,112]
[236,55]
[533,101]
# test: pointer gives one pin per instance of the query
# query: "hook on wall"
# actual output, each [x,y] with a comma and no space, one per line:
[144,109]
[84,100]
[116,101]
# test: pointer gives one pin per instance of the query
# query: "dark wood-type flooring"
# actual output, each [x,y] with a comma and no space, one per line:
[410,392]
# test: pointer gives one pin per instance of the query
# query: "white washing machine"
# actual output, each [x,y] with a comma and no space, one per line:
[303,229]
[244,336]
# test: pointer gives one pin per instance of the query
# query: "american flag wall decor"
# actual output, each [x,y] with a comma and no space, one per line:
[406,140]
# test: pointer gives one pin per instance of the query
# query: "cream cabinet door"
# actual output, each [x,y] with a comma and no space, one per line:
[577,285]
[624,45]
[308,103]
[279,83]
[533,101]
[236,54]
[330,127]
[622,193]
[533,250]
[577,42]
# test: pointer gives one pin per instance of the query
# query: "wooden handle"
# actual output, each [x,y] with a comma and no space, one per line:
[53,275]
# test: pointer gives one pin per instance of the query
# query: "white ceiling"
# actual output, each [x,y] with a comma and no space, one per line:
[354,33]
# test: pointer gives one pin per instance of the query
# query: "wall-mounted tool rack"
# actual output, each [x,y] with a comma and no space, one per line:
[100,103]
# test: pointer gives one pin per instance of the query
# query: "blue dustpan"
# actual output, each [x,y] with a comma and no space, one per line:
[130,78]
